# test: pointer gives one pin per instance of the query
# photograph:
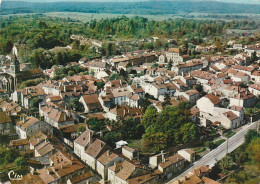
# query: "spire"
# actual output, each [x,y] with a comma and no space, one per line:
[15,51]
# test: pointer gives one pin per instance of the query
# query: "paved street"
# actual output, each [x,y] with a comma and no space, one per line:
[217,154]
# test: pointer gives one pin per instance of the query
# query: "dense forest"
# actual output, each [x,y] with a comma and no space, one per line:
[243,164]
[37,35]
[146,7]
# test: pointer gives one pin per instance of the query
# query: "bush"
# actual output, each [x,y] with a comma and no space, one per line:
[201,149]
[210,145]
[219,142]
[229,133]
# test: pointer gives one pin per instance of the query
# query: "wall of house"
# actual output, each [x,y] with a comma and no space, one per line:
[90,161]
[189,157]
[79,150]
[5,128]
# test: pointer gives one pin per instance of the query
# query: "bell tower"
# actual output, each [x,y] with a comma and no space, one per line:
[15,64]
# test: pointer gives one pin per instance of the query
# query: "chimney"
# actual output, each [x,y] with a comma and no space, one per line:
[24,119]
[32,170]
[163,158]
[108,152]
[65,117]
[101,133]
[90,137]
[27,90]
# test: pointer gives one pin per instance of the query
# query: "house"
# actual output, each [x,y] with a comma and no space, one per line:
[37,139]
[30,126]
[43,150]
[123,112]
[155,160]
[91,103]
[244,99]
[238,46]
[11,108]
[151,178]
[121,173]
[194,179]
[187,67]
[155,89]
[173,56]
[171,165]
[106,160]
[86,177]
[255,76]
[130,153]
[188,155]
[121,143]
[63,166]
[94,151]
[208,102]
[20,144]
[82,143]
[211,112]
[202,171]
[6,126]
[255,89]
[191,95]
[56,117]
[96,66]
[70,133]
[30,93]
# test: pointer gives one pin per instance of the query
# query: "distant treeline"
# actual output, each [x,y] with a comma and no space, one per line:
[37,35]
[148,7]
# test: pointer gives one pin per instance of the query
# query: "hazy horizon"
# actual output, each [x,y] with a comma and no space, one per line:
[228,1]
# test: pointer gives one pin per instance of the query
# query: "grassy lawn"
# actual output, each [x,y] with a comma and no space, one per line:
[200,151]
[139,144]
[219,142]
[229,133]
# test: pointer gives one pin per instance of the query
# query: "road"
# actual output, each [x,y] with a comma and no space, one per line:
[217,154]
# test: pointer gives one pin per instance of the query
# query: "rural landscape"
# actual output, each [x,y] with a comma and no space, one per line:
[129,92]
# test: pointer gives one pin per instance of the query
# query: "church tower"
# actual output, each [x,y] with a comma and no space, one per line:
[15,64]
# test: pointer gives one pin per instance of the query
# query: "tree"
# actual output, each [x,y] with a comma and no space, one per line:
[100,84]
[251,135]
[112,137]
[81,129]
[76,105]
[131,129]
[226,163]
[35,102]
[254,57]
[75,45]
[71,73]
[155,141]
[210,145]
[95,124]
[20,161]
[149,117]
[59,59]
[6,47]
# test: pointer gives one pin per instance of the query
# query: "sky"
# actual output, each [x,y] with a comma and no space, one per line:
[232,1]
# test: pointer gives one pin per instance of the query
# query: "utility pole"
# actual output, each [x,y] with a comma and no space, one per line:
[227,147]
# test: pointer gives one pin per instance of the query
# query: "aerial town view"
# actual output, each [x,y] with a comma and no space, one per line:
[129,92]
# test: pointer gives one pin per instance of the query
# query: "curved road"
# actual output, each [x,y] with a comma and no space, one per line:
[217,154]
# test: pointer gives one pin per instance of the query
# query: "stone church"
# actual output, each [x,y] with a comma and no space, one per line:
[11,76]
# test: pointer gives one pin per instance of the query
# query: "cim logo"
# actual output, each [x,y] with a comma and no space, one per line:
[14,176]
